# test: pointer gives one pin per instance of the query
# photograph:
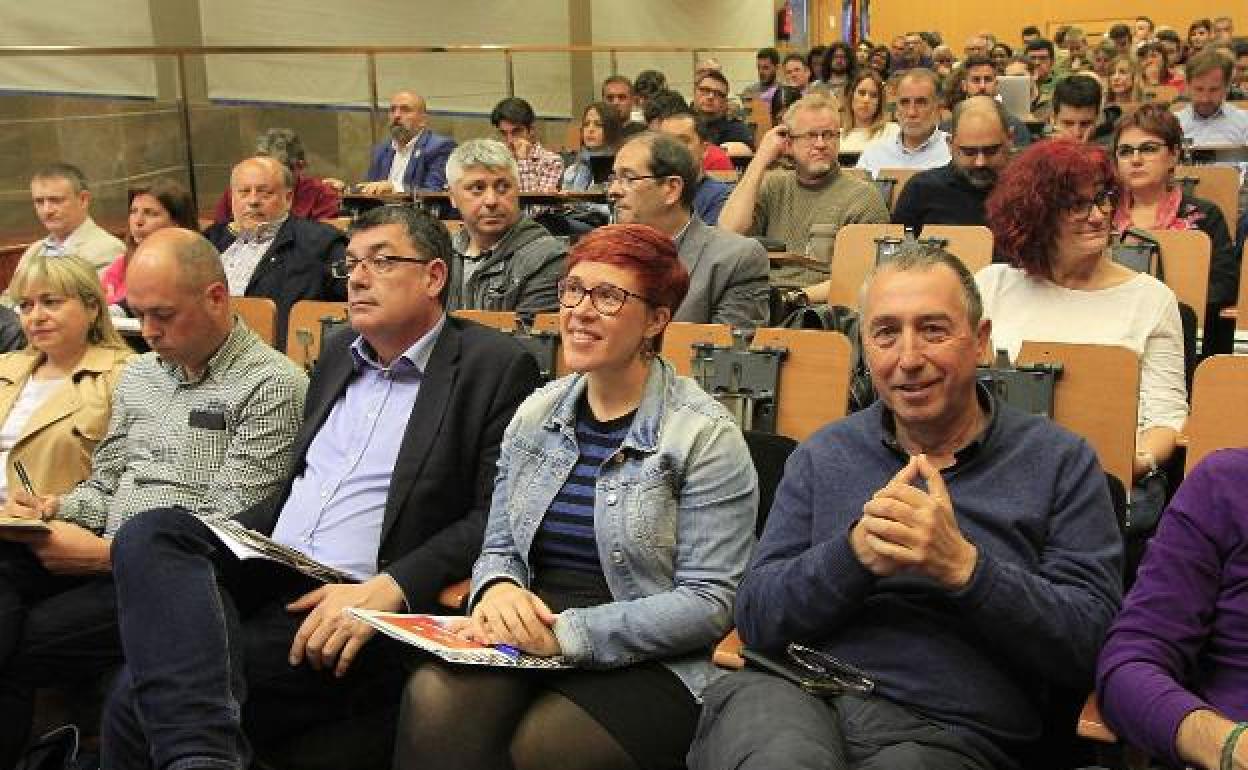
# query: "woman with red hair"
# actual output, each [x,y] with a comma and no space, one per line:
[622,520]
[1052,215]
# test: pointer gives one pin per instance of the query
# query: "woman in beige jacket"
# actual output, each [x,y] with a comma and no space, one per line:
[56,394]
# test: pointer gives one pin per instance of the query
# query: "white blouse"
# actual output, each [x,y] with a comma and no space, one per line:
[1141,314]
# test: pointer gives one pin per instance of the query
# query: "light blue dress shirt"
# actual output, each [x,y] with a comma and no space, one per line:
[891,152]
[336,506]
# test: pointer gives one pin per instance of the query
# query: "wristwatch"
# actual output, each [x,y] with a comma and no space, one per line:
[796,299]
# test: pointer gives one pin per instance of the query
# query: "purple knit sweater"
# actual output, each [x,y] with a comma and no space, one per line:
[1181,642]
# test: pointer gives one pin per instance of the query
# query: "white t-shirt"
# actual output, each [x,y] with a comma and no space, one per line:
[33,394]
[1141,314]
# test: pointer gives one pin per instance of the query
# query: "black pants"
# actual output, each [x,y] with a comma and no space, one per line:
[54,629]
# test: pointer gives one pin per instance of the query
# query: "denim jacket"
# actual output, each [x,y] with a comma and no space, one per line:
[674,514]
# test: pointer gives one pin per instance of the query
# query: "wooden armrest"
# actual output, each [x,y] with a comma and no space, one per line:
[728,651]
[1091,725]
[453,596]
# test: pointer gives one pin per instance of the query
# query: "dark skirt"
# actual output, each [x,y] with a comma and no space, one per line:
[645,707]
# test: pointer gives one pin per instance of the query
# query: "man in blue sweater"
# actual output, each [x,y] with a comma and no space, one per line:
[963,555]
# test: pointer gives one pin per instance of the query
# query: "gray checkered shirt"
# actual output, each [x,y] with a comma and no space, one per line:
[216,445]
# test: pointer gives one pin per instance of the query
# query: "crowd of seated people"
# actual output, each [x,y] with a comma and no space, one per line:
[938,518]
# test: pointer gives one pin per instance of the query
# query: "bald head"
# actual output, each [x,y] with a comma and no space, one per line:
[261,190]
[184,257]
[980,143]
[175,286]
[407,116]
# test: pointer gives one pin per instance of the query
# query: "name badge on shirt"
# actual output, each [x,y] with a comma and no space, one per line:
[207,420]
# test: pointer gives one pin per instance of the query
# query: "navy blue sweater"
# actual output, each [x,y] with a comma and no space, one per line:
[1033,500]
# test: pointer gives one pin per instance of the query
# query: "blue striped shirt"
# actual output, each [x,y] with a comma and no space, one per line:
[565,539]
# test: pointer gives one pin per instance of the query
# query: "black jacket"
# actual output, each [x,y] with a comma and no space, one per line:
[296,266]
[443,480]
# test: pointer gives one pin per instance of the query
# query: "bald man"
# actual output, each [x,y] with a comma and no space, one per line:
[204,422]
[415,157]
[954,194]
[267,251]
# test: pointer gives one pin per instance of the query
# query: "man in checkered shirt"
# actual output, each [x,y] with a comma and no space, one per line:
[540,169]
[205,422]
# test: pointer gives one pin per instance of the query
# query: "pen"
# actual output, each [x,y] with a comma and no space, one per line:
[24,477]
[508,650]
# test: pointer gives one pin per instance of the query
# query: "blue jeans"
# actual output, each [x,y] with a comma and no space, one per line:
[206,639]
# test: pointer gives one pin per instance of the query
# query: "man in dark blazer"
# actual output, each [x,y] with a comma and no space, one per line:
[414,158]
[654,183]
[269,252]
[391,484]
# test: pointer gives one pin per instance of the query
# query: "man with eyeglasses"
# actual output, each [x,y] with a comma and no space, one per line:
[269,252]
[710,100]
[503,259]
[783,204]
[653,184]
[960,554]
[954,194]
[920,143]
[390,484]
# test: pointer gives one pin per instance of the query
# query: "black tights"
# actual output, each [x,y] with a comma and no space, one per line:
[467,718]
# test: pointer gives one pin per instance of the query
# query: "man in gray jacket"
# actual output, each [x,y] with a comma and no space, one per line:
[654,183]
[503,260]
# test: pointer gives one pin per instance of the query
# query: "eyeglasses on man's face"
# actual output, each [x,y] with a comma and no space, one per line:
[377,264]
[607,298]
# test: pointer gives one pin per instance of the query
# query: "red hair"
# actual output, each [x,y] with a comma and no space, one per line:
[1034,189]
[643,251]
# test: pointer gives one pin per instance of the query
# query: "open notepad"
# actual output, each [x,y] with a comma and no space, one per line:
[250,544]
[429,633]
[17,524]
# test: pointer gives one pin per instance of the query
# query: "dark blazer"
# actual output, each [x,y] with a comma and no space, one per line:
[427,168]
[440,493]
[296,266]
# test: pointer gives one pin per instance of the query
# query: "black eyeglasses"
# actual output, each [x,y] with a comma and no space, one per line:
[377,264]
[607,298]
[628,180]
[828,136]
[1104,202]
[1145,149]
[988,151]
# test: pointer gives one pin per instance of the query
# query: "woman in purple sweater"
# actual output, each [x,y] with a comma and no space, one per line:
[1173,675]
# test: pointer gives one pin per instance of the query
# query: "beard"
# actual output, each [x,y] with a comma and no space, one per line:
[981,178]
[401,134]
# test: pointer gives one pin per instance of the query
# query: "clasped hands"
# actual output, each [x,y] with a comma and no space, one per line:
[905,529]
[511,615]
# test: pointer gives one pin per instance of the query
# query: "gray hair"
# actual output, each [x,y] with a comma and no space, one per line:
[481,153]
[920,256]
[281,144]
[67,171]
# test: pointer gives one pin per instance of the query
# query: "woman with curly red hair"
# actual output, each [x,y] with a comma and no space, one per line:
[1052,215]
[622,519]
